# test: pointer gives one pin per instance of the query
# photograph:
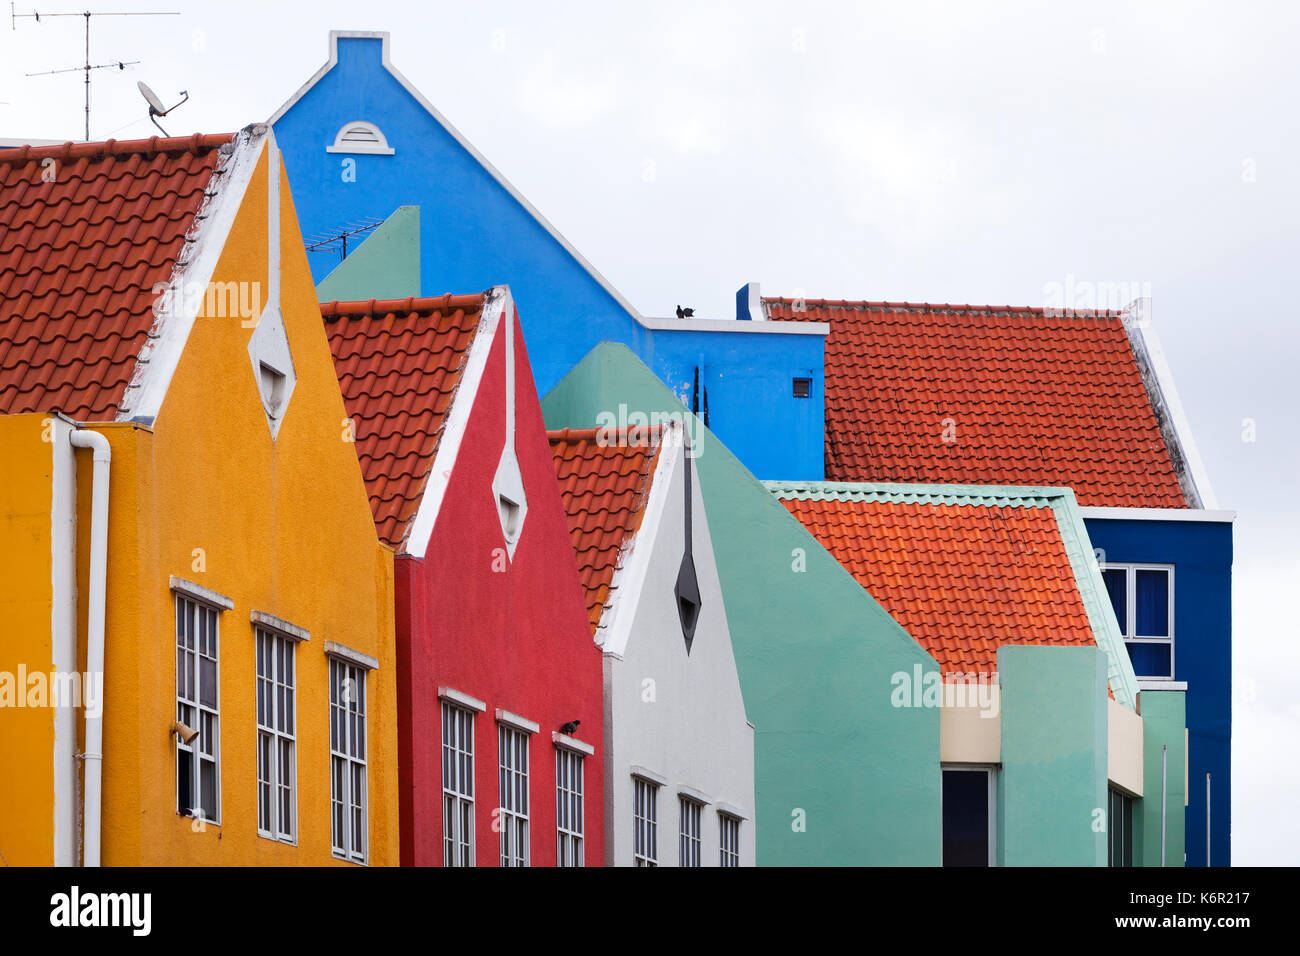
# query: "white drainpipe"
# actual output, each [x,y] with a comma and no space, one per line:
[98,578]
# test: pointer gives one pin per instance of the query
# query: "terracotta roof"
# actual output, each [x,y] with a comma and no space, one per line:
[88,229]
[604,480]
[1033,399]
[962,578]
[399,362]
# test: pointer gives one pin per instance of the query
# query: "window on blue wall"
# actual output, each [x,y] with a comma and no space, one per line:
[1142,596]
[802,387]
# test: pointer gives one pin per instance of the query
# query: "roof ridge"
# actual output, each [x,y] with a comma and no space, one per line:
[864,305]
[336,309]
[556,435]
[65,152]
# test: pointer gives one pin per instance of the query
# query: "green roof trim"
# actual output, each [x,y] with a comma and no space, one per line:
[1074,535]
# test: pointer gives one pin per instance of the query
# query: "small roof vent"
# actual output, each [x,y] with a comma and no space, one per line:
[360,137]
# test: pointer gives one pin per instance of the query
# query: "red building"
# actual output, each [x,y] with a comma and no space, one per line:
[499,683]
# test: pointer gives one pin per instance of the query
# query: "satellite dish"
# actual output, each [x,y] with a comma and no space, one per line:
[155,104]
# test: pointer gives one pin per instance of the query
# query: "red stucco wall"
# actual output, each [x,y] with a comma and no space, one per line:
[518,640]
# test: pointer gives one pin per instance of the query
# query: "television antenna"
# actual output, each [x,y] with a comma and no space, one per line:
[155,104]
[87,66]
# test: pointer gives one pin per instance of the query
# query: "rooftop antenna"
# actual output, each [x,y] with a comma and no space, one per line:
[155,104]
[87,66]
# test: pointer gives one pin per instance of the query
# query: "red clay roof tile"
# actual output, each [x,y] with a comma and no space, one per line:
[1033,399]
[88,229]
[963,580]
[604,484]
[399,363]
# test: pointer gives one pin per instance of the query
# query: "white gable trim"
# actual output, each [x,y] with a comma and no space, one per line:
[627,587]
[1159,379]
[497,302]
[180,303]
[336,35]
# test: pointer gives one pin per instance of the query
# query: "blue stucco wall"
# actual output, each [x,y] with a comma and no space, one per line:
[474,234]
[1201,553]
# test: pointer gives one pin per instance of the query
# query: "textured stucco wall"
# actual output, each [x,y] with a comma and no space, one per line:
[1053,777]
[679,715]
[1163,723]
[514,634]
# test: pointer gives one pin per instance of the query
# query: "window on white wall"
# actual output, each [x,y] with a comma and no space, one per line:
[513,750]
[198,763]
[1142,596]
[689,839]
[568,807]
[645,842]
[277,760]
[457,785]
[349,814]
[729,840]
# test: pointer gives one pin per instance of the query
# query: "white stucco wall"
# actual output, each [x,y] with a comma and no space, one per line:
[679,716]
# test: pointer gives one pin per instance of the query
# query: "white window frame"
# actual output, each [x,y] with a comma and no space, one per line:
[728,839]
[271,705]
[645,832]
[457,793]
[513,744]
[348,735]
[1128,627]
[570,807]
[190,707]
[991,772]
[690,831]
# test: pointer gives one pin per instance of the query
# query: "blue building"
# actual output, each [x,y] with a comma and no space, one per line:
[359,141]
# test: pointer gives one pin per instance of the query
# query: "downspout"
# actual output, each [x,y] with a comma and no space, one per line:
[98,580]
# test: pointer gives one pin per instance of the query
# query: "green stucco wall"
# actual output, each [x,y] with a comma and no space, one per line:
[385,266]
[1164,718]
[1053,778]
[814,651]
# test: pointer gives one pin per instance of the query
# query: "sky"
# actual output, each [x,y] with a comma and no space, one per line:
[983,153]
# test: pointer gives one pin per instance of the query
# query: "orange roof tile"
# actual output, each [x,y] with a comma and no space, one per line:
[1033,399]
[399,363]
[962,579]
[604,484]
[88,229]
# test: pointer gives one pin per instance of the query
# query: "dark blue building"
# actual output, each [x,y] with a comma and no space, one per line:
[1169,573]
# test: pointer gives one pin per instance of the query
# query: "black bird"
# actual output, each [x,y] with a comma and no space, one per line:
[684,313]
[570,728]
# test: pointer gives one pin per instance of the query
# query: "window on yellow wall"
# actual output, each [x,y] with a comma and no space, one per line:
[277,758]
[198,759]
[349,814]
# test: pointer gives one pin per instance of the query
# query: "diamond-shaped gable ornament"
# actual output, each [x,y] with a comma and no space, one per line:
[512,503]
[268,350]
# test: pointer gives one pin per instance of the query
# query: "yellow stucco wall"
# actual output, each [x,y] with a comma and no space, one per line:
[26,733]
[282,527]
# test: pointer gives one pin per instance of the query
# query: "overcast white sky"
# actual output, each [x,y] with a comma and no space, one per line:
[959,152]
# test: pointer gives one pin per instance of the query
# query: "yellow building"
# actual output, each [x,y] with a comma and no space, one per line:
[196,615]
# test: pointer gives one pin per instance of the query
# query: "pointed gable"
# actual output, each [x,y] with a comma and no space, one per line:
[90,231]
[400,363]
